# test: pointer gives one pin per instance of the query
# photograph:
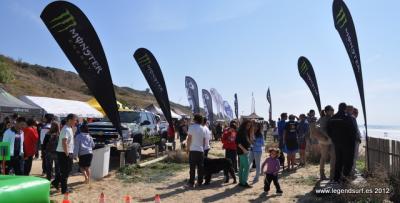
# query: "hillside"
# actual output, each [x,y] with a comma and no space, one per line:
[21,78]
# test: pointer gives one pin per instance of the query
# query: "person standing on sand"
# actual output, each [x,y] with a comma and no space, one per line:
[303,129]
[229,144]
[358,141]
[207,138]
[182,131]
[31,138]
[15,136]
[342,131]
[281,129]
[83,149]
[65,151]
[256,149]
[243,145]
[50,143]
[271,171]
[327,147]
[290,141]
[195,149]
[48,119]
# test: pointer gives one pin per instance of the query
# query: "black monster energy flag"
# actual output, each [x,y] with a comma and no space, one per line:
[345,26]
[152,72]
[80,43]
[192,94]
[270,104]
[307,73]
[236,107]
[208,108]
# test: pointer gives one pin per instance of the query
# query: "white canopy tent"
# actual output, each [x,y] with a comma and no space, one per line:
[154,109]
[62,107]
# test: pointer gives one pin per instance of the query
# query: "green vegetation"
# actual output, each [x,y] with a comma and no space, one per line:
[150,174]
[309,180]
[6,75]
[160,171]
[360,165]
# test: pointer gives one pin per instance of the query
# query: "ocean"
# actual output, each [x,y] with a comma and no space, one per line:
[391,132]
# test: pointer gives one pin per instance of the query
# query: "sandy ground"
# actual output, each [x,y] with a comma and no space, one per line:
[295,185]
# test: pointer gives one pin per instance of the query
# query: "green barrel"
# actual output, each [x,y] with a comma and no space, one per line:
[24,189]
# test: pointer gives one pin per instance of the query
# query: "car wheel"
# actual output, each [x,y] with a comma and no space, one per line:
[133,156]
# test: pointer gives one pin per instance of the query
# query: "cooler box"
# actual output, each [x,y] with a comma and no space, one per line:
[101,162]
[24,189]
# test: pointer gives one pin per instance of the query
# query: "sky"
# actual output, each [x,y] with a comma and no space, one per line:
[235,46]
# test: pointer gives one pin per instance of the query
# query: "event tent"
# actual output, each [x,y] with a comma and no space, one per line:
[252,116]
[62,107]
[154,109]
[177,111]
[93,103]
[10,105]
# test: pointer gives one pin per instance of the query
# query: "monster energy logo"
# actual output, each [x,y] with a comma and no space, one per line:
[144,60]
[145,63]
[63,22]
[303,67]
[341,19]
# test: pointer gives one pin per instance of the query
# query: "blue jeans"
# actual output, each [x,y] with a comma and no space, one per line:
[257,157]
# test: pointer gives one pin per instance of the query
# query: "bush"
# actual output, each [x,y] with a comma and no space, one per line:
[395,187]
[6,75]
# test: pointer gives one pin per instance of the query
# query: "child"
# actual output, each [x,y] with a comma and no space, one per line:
[84,145]
[271,171]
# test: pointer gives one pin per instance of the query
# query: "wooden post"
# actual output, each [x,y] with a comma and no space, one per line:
[122,159]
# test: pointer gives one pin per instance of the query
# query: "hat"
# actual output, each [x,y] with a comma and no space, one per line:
[273,149]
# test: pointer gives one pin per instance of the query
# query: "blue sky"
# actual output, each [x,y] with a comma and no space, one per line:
[234,46]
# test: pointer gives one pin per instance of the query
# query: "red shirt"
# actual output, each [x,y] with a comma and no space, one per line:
[171,132]
[31,139]
[229,139]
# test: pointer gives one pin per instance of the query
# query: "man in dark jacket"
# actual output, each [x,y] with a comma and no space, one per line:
[342,131]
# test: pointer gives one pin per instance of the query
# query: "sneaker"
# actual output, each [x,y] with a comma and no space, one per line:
[279,192]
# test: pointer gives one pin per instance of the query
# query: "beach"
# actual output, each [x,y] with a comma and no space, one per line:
[297,187]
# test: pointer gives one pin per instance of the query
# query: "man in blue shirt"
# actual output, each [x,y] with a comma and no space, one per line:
[281,128]
[303,130]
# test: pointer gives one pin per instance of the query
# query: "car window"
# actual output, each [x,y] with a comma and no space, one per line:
[150,118]
[143,117]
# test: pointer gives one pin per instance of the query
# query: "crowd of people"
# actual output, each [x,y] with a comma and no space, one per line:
[59,143]
[335,136]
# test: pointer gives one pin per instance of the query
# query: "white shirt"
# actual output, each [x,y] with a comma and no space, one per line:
[45,129]
[66,133]
[9,136]
[207,138]
[198,134]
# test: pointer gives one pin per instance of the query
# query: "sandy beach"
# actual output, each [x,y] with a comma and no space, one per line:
[295,185]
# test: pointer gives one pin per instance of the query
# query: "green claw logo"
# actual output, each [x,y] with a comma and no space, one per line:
[144,60]
[341,19]
[63,22]
[303,67]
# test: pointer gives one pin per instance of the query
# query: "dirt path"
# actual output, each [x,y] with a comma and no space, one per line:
[295,185]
